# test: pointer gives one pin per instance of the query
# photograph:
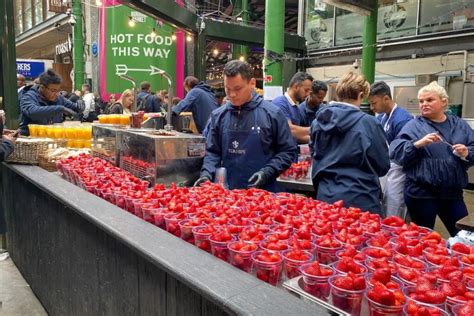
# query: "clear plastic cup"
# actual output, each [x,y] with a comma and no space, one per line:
[269,272]
[326,255]
[219,249]
[451,302]
[201,239]
[315,285]
[412,307]
[378,309]
[147,210]
[159,217]
[172,224]
[361,266]
[291,266]
[241,259]
[186,229]
[411,289]
[349,301]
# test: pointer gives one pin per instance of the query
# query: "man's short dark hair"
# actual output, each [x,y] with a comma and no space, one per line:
[49,77]
[380,89]
[318,86]
[299,77]
[236,67]
[145,85]
[86,87]
[191,81]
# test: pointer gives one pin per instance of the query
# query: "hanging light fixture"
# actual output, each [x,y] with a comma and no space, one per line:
[153,32]
[242,58]
[173,37]
[131,22]
[189,38]
[215,52]
[98,3]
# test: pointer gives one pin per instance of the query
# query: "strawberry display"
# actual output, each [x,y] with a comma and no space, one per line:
[240,254]
[426,292]
[326,248]
[379,240]
[392,223]
[465,309]
[409,262]
[383,300]
[418,309]
[219,241]
[374,264]
[347,292]
[462,249]
[315,279]
[377,253]
[412,231]
[351,252]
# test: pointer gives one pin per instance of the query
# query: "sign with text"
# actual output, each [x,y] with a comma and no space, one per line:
[30,69]
[59,6]
[142,51]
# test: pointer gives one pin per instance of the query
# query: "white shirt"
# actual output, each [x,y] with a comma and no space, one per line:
[89,103]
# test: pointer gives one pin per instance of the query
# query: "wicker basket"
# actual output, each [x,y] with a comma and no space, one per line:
[28,150]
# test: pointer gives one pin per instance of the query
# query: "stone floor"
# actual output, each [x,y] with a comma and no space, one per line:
[16,296]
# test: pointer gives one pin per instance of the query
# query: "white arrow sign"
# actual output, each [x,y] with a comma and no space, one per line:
[123,70]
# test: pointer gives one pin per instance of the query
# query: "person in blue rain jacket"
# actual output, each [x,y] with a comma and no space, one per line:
[42,104]
[311,105]
[146,100]
[435,150]
[349,149]
[248,136]
[200,100]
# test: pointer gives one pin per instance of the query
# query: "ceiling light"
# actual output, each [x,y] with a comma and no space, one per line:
[131,22]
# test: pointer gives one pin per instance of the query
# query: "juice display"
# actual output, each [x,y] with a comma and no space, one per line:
[33,130]
[58,132]
[42,131]
[125,119]
[103,119]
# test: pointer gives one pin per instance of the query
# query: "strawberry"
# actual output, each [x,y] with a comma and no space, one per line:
[423,285]
[466,310]
[382,275]
[448,290]
[461,248]
[434,297]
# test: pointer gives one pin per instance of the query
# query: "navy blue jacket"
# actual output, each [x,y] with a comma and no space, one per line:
[433,171]
[6,146]
[350,153]
[290,111]
[276,138]
[201,102]
[148,102]
[35,110]
[307,114]
[394,125]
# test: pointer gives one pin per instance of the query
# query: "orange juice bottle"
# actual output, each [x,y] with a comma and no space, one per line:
[33,130]
[125,119]
[70,132]
[42,131]
[102,118]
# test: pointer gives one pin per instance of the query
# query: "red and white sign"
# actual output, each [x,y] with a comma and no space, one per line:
[268,78]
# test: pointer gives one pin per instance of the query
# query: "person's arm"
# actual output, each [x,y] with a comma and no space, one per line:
[30,108]
[286,150]
[403,150]
[78,106]
[300,133]
[377,153]
[6,148]
[187,103]
[212,159]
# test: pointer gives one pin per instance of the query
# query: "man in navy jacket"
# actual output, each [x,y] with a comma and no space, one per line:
[200,100]
[248,136]
[42,104]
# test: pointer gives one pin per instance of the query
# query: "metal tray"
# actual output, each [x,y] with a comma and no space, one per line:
[295,287]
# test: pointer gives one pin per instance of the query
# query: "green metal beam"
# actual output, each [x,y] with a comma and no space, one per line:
[274,41]
[241,6]
[369,49]
[8,90]
[168,11]
[78,45]
[200,57]
[248,35]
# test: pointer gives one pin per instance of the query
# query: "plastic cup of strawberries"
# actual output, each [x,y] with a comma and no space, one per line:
[267,266]
[347,292]
[240,254]
[293,260]
[315,279]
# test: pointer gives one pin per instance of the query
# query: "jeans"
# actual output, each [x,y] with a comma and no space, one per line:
[423,212]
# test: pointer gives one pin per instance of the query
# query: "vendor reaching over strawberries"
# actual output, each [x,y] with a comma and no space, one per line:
[248,136]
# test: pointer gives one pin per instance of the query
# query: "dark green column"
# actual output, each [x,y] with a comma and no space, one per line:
[78,45]
[241,50]
[274,41]
[369,49]
[8,90]
[200,56]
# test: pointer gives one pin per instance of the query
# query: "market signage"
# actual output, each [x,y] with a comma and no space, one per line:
[135,51]
[64,48]
[29,69]
[59,6]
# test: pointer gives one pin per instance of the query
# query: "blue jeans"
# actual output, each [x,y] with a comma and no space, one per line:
[423,212]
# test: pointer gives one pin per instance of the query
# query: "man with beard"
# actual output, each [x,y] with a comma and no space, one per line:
[299,89]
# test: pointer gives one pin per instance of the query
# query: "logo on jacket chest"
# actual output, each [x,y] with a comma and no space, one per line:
[235,149]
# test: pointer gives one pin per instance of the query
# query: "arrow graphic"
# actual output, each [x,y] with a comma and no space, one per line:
[123,70]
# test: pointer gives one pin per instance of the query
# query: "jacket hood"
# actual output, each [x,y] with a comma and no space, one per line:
[338,117]
[203,86]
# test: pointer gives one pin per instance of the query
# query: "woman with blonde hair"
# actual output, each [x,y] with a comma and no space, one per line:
[349,149]
[124,104]
[435,150]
